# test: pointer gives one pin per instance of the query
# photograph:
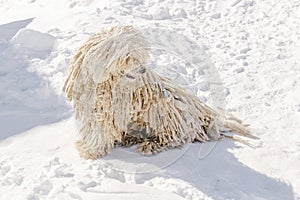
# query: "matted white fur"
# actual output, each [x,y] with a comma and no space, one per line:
[118,100]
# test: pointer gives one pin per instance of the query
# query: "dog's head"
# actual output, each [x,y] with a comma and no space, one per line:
[117,51]
[106,54]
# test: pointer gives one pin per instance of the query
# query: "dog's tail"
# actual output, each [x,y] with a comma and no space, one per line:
[235,125]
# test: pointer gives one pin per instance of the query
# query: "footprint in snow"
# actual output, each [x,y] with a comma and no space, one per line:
[58,192]
[63,171]
[32,197]
[114,174]
[10,175]
[56,169]
[44,188]
[85,183]
[4,170]
[12,180]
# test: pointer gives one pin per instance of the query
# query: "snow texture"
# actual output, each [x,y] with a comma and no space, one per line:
[246,51]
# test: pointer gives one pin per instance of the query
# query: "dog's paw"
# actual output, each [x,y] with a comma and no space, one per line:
[86,153]
[150,147]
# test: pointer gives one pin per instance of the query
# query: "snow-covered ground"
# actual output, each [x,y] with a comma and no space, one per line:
[249,47]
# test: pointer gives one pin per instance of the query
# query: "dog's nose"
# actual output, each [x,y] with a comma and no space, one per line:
[142,70]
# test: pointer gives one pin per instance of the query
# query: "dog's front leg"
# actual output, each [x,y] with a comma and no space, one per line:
[94,144]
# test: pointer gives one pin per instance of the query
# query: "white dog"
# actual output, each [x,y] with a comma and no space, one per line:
[119,101]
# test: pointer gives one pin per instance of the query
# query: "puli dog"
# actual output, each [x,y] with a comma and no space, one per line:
[118,100]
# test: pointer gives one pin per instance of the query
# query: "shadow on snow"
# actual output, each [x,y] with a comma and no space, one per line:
[219,174]
[26,100]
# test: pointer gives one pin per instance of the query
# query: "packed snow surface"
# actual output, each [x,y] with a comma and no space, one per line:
[241,55]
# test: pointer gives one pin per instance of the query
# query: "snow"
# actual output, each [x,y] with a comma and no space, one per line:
[34,41]
[242,55]
[23,93]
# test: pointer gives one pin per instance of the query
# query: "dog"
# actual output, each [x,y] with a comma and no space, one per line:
[118,100]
